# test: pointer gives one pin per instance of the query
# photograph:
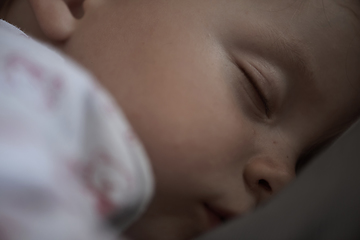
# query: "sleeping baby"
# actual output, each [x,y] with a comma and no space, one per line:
[162,119]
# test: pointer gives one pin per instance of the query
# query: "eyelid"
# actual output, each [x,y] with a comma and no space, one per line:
[258,89]
[271,82]
[270,78]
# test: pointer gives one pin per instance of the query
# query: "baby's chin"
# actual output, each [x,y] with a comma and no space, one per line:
[164,228]
[166,232]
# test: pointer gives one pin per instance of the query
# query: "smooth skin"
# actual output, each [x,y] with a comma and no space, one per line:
[226,95]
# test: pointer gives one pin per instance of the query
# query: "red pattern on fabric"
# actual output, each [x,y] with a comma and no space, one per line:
[101,190]
[49,85]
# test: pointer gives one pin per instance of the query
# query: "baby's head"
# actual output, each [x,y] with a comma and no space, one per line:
[226,95]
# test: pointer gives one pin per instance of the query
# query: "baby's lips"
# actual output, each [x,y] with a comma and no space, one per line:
[218,215]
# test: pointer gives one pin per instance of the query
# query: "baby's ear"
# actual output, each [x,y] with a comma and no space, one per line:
[57,18]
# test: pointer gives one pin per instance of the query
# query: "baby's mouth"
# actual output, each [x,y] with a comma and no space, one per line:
[216,215]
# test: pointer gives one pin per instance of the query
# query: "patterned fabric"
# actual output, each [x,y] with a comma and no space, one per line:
[69,161]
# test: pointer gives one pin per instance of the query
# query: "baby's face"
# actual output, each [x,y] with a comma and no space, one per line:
[225,95]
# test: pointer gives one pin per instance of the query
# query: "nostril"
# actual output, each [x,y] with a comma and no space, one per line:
[265,185]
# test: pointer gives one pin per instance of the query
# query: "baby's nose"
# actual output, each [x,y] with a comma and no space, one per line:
[265,176]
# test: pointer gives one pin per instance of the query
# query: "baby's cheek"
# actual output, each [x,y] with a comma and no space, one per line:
[200,163]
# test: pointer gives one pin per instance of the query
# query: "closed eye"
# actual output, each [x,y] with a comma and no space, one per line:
[258,91]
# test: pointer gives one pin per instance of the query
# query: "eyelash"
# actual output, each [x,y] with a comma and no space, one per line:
[258,92]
